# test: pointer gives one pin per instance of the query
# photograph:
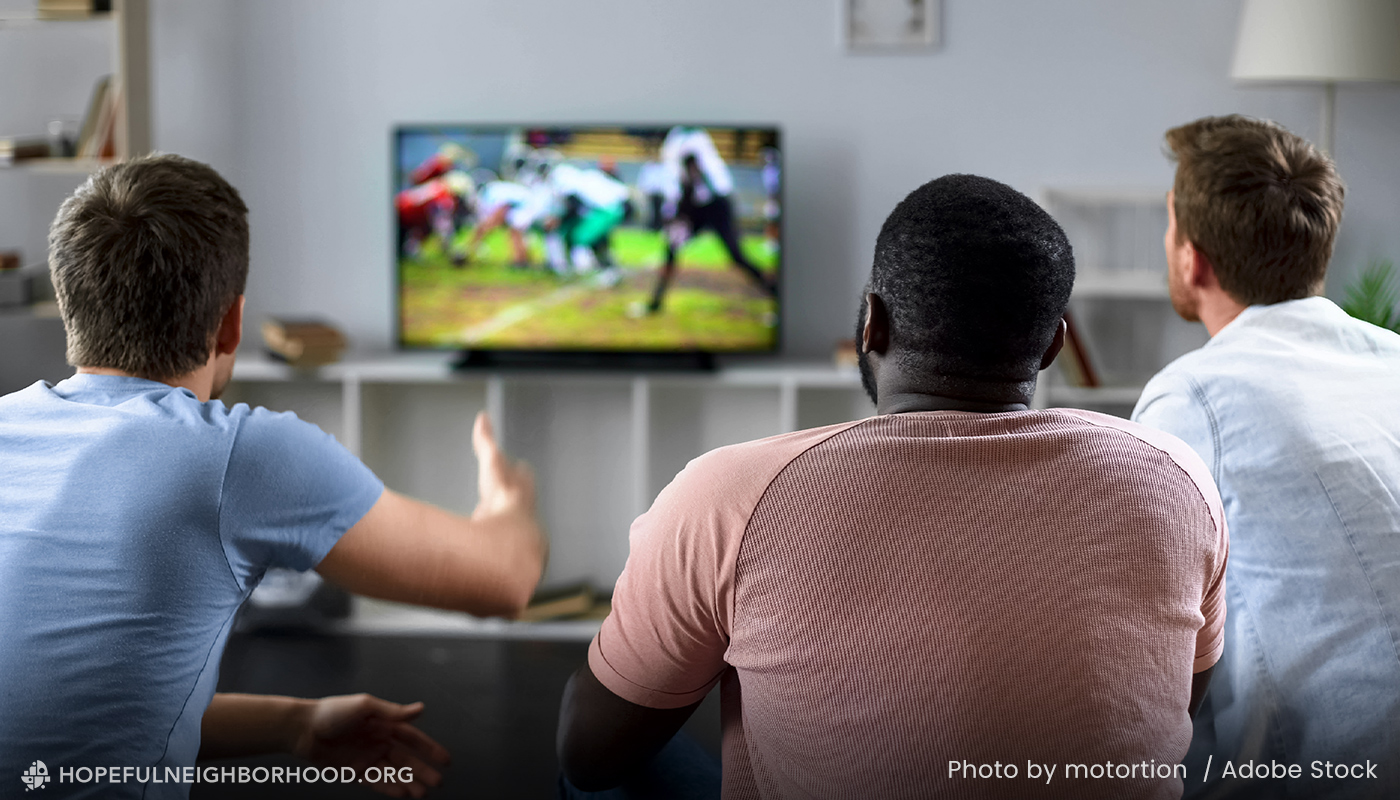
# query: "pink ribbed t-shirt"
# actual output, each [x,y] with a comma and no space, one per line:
[887,601]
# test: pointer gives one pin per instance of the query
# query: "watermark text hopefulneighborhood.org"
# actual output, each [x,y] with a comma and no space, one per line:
[231,774]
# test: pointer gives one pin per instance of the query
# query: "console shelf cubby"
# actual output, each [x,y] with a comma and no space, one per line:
[602,445]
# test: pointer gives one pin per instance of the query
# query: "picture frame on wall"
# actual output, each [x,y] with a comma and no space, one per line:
[878,26]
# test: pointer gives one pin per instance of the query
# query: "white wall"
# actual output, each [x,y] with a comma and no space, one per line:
[295,99]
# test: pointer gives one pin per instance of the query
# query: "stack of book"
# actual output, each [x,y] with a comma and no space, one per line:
[303,342]
[72,9]
[98,136]
[22,148]
[574,602]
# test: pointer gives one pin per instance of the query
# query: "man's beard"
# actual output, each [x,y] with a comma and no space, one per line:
[867,375]
[1181,301]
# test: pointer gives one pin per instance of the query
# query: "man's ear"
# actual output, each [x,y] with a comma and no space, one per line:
[1200,271]
[1057,343]
[875,338]
[230,329]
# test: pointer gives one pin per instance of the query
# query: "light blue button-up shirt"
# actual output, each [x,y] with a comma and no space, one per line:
[1295,408]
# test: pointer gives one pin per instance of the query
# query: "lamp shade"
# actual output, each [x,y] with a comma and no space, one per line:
[1318,40]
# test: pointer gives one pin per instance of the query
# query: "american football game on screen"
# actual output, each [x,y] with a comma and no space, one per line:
[621,239]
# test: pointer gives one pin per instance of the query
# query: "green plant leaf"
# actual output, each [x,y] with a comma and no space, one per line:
[1374,296]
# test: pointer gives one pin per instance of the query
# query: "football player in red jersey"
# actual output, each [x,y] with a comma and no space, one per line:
[438,206]
[451,156]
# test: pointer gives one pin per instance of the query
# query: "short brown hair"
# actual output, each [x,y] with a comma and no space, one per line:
[1261,203]
[146,257]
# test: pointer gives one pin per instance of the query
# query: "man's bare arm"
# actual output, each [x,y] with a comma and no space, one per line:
[357,731]
[487,564]
[603,739]
[1199,683]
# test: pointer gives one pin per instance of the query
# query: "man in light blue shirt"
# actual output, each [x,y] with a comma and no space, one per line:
[1295,407]
[137,512]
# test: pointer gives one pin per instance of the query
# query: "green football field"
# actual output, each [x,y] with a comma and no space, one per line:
[487,303]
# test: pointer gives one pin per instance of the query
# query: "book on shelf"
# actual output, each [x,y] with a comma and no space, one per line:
[1074,358]
[71,9]
[14,149]
[846,355]
[95,107]
[574,602]
[303,342]
[98,138]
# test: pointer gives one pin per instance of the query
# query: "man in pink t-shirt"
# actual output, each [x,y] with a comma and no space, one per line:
[958,597]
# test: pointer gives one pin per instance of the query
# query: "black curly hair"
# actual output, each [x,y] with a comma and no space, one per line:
[976,277]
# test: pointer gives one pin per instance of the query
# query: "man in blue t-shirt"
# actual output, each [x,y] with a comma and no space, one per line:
[137,512]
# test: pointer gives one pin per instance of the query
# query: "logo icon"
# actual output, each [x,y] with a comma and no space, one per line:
[36,776]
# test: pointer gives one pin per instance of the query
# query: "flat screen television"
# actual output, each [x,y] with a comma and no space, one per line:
[588,239]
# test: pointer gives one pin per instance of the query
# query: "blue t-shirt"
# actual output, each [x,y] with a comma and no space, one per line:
[134,520]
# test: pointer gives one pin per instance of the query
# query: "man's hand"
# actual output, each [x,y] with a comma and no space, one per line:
[361,731]
[503,486]
[487,564]
[357,731]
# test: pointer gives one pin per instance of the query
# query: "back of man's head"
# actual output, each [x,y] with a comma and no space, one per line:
[976,277]
[1260,203]
[146,257]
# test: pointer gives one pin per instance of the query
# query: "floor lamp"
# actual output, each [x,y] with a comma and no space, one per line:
[1319,41]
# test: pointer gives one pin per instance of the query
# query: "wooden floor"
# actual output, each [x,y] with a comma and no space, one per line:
[493,703]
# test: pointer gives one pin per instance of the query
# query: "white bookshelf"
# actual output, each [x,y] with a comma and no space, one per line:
[50,68]
[1126,285]
[130,25]
[602,444]
[1121,303]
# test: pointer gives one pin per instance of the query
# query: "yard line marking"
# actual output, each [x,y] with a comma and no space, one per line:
[513,315]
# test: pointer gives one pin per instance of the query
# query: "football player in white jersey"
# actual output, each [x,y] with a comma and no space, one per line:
[698,199]
[589,205]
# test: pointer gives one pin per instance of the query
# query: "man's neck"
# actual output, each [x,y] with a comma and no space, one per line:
[1216,317]
[899,394]
[201,381]
[1215,308]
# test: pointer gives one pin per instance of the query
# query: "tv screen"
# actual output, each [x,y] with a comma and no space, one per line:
[595,239]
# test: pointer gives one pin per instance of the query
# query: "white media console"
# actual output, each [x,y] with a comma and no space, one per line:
[602,445]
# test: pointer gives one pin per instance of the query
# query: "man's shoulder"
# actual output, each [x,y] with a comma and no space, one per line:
[1159,444]
[262,433]
[1270,353]
[769,454]
[734,472]
[1193,378]
[1213,358]
[1149,438]
[142,411]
